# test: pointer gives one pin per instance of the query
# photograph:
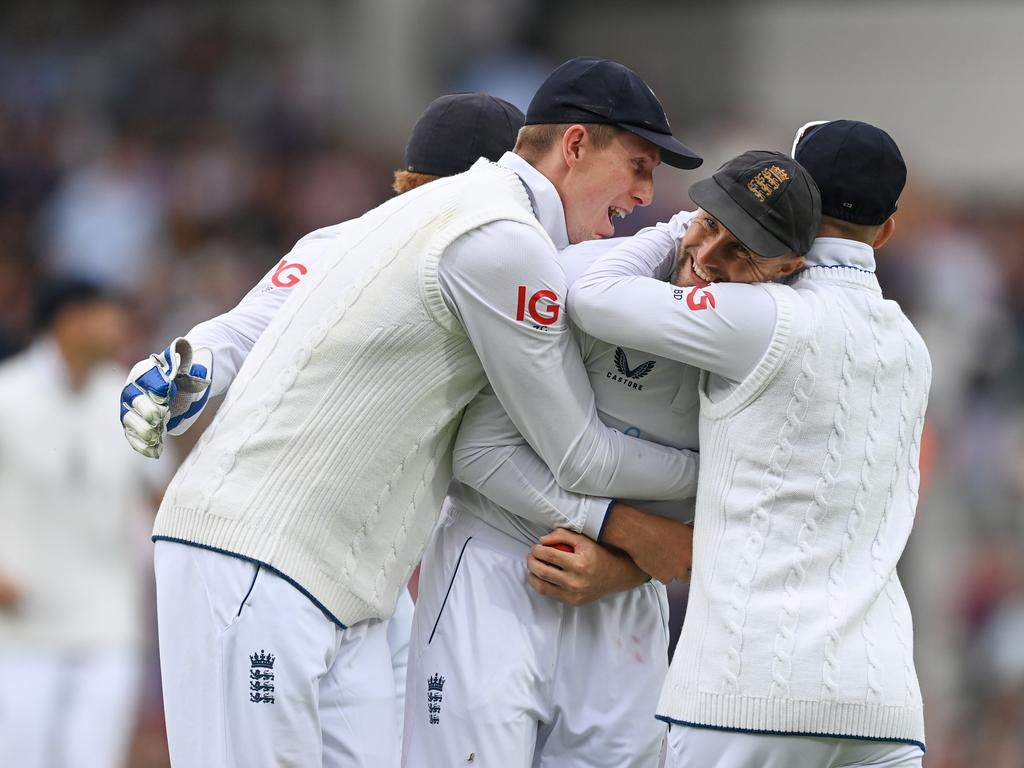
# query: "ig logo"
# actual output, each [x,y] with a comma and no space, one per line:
[288,273]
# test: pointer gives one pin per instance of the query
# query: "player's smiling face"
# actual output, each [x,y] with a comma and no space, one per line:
[607,183]
[710,253]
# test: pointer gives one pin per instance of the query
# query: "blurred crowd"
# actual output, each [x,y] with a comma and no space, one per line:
[174,163]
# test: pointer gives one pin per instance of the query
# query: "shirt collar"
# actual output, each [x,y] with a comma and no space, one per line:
[838,252]
[547,205]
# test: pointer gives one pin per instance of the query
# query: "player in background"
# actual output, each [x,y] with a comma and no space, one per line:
[566,685]
[797,647]
[306,504]
[74,506]
[451,134]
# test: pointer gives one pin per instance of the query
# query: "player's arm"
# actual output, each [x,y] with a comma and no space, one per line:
[506,288]
[166,392]
[493,458]
[724,328]
[508,291]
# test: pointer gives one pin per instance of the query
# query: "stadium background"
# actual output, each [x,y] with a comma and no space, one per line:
[176,151]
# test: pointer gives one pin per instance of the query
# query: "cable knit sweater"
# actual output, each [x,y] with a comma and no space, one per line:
[797,622]
[329,459]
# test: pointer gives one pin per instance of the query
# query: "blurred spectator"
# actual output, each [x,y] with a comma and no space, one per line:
[74,500]
[106,219]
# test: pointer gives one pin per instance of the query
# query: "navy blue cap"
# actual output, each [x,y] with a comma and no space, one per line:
[766,199]
[588,90]
[858,168]
[456,130]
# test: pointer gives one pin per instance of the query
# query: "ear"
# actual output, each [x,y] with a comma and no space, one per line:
[885,233]
[788,265]
[573,141]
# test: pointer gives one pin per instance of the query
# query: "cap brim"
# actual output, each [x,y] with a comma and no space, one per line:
[709,195]
[673,151]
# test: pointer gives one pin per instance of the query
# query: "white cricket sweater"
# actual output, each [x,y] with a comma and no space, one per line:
[329,459]
[797,622]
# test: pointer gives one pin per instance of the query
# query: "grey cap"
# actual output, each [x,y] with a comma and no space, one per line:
[766,199]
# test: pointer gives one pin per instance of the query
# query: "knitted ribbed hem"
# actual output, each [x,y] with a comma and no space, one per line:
[252,542]
[269,567]
[775,715]
[670,721]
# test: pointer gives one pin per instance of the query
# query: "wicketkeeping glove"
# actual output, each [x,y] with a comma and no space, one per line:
[165,393]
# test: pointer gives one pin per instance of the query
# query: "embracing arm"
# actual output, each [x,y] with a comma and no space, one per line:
[166,392]
[724,328]
[507,289]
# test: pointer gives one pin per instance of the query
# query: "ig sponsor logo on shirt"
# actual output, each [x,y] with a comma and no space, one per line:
[541,308]
[696,298]
[288,273]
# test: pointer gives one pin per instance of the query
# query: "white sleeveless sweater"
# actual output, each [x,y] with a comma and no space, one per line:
[328,460]
[797,622]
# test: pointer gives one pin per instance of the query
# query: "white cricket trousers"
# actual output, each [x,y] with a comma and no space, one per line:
[64,710]
[690,747]
[255,675]
[503,677]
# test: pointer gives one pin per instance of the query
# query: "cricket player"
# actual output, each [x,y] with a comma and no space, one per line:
[797,647]
[292,527]
[452,133]
[73,509]
[507,674]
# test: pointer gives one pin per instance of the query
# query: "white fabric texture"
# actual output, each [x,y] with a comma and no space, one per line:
[527,681]
[703,747]
[399,632]
[797,621]
[369,341]
[327,699]
[67,710]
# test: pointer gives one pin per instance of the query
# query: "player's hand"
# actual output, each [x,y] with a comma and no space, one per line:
[164,394]
[575,570]
[661,547]
[9,593]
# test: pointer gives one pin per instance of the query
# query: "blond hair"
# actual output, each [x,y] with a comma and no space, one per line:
[534,141]
[406,181]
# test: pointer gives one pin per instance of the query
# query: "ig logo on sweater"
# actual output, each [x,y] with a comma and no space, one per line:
[542,306]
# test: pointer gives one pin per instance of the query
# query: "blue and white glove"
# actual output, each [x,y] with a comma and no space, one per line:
[164,394]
